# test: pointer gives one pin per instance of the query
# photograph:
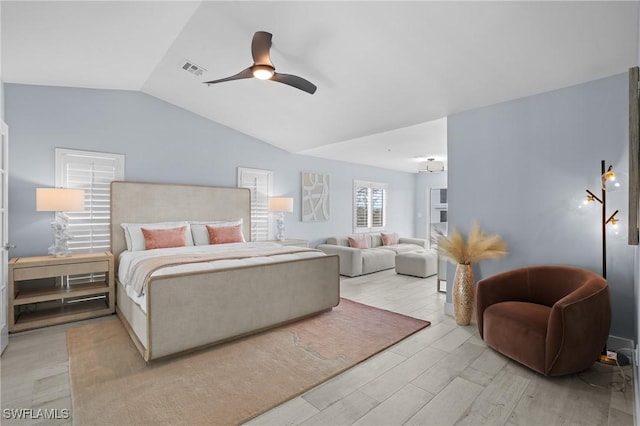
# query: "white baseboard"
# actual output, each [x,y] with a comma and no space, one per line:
[614,343]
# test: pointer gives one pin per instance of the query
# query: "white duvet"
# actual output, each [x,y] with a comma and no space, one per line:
[128,260]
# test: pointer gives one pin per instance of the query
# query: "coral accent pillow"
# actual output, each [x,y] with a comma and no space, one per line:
[360,243]
[164,238]
[225,234]
[389,239]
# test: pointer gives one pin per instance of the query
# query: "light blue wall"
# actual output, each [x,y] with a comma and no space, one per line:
[518,167]
[164,143]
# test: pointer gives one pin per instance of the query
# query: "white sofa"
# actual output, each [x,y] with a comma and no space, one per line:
[378,257]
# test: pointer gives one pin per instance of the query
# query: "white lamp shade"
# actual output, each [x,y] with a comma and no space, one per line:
[59,200]
[281,204]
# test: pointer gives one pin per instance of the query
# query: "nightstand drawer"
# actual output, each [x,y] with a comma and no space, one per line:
[35,272]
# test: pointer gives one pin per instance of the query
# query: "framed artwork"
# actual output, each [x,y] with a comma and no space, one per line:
[315,197]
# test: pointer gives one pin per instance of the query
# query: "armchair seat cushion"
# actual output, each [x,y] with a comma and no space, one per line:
[518,330]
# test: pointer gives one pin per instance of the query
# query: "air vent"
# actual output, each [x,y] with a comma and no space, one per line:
[194,69]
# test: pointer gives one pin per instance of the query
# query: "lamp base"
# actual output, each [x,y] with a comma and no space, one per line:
[280,226]
[61,236]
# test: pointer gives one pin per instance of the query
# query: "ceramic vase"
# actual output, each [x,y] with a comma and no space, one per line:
[463,294]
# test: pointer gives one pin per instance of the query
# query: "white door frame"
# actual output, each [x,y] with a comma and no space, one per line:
[4,209]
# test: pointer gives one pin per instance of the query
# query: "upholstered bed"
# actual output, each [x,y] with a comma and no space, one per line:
[185,309]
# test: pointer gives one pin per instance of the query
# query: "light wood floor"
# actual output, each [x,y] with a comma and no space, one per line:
[443,375]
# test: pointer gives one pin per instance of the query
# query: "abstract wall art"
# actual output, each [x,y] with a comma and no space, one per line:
[315,197]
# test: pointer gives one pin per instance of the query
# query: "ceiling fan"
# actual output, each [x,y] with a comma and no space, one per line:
[263,69]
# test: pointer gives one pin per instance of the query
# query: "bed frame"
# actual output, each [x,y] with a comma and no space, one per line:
[190,311]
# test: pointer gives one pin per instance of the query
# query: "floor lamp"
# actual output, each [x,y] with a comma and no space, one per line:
[607,175]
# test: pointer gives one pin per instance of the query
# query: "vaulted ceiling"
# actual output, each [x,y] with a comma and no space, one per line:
[384,70]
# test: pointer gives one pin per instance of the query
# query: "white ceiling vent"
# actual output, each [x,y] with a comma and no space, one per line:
[194,69]
[431,166]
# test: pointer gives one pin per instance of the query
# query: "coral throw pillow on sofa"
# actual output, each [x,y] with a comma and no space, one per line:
[360,243]
[225,234]
[389,239]
[164,238]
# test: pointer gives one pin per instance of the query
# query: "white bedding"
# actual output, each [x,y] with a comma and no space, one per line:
[128,260]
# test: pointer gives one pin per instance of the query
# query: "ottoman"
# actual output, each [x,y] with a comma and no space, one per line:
[417,263]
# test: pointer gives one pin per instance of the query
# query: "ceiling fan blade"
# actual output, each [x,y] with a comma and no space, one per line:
[295,81]
[260,46]
[246,73]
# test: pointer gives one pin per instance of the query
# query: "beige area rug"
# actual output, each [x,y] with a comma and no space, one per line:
[225,384]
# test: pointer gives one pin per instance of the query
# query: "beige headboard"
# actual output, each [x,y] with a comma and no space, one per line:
[143,202]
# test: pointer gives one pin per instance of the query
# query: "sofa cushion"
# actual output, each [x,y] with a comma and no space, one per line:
[518,330]
[376,259]
[403,248]
[375,240]
[358,242]
[389,239]
[338,241]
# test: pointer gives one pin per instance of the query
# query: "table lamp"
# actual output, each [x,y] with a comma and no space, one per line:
[60,200]
[280,205]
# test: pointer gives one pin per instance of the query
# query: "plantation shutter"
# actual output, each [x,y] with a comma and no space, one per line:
[93,172]
[377,205]
[259,183]
[369,213]
[361,208]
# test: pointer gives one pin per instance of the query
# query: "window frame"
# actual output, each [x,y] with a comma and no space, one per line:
[63,157]
[258,230]
[371,187]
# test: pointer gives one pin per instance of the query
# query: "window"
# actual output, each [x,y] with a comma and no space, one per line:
[260,183]
[369,206]
[93,172]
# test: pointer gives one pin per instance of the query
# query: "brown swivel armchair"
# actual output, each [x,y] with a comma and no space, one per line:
[553,319]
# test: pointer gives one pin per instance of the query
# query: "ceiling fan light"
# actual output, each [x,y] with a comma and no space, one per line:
[262,72]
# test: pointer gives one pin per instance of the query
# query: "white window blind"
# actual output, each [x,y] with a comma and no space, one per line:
[260,182]
[369,206]
[92,172]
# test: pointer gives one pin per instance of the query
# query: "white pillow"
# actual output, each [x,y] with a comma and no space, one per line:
[135,239]
[201,235]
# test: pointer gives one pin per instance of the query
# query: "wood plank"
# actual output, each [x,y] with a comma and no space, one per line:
[397,409]
[496,402]
[24,273]
[292,412]
[402,374]
[452,340]
[28,296]
[414,344]
[448,368]
[448,406]
[560,400]
[66,313]
[345,411]
[339,387]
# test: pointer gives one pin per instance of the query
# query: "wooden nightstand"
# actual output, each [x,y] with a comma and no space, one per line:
[48,290]
[292,242]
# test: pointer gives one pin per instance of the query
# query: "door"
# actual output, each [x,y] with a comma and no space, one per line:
[4,320]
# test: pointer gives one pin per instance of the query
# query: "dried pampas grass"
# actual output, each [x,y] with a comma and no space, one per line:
[478,246]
